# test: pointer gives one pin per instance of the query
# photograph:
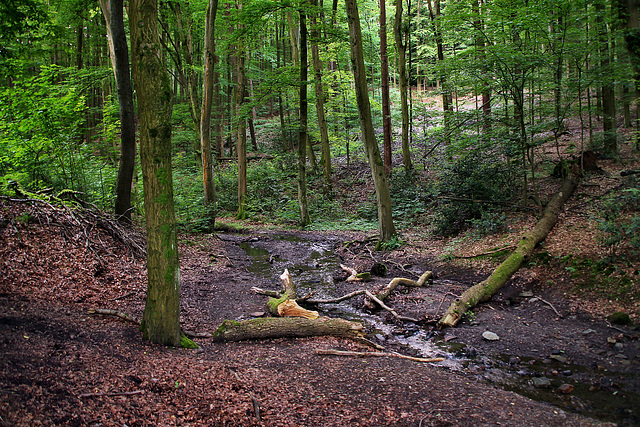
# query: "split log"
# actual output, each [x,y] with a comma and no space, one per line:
[285,305]
[281,327]
[386,291]
[487,288]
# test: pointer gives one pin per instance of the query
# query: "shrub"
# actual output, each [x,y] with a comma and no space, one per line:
[469,189]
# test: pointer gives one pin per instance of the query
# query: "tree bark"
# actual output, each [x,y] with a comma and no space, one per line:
[322,120]
[207,101]
[384,77]
[113,12]
[241,136]
[399,34]
[303,136]
[279,327]
[607,89]
[488,287]
[160,321]
[385,219]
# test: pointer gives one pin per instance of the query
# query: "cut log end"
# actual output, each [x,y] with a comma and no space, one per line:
[290,308]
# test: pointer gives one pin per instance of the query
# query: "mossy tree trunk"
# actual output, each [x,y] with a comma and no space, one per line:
[487,288]
[279,327]
[385,219]
[160,321]
[207,103]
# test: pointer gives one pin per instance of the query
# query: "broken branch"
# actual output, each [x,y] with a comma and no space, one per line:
[375,354]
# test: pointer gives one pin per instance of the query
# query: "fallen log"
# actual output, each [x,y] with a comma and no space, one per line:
[283,327]
[488,287]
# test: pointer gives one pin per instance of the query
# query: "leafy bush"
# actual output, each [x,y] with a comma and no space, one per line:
[469,189]
[619,219]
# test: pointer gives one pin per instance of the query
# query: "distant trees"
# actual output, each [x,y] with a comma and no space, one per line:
[474,75]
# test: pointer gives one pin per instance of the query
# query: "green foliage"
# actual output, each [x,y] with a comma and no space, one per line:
[603,276]
[410,198]
[42,118]
[619,219]
[468,190]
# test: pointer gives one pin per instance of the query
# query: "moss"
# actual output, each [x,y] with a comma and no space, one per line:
[619,318]
[187,343]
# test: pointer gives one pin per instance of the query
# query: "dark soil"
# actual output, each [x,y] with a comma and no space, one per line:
[63,366]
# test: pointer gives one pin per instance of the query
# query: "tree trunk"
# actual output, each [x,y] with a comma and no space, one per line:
[384,77]
[447,102]
[161,318]
[241,139]
[303,136]
[322,120]
[487,288]
[279,327]
[607,89]
[385,219]
[399,34]
[207,101]
[122,206]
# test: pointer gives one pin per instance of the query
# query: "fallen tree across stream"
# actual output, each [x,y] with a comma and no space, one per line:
[488,287]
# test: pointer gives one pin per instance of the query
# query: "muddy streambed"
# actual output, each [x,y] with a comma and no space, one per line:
[575,362]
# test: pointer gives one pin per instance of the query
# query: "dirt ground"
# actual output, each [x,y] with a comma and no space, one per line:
[61,365]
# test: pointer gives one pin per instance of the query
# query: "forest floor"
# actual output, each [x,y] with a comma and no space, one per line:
[61,365]
[557,360]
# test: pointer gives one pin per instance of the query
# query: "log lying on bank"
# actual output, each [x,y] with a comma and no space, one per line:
[487,288]
[286,327]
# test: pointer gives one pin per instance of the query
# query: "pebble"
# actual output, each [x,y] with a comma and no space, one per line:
[567,373]
[559,358]
[541,382]
[566,388]
[490,336]
[619,346]
[588,331]
[257,314]
[526,294]
[514,360]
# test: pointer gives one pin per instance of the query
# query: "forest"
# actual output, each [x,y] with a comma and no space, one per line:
[445,194]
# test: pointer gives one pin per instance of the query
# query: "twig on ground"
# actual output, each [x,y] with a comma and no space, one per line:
[122,393]
[613,327]
[442,301]
[495,251]
[551,305]
[331,352]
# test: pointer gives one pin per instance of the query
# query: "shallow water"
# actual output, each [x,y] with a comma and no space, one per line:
[313,264]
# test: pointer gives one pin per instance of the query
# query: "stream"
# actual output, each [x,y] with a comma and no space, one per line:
[313,265]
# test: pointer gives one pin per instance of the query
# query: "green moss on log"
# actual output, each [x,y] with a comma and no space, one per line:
[187,343]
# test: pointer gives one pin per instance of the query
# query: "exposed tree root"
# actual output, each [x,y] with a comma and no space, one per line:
[129,318]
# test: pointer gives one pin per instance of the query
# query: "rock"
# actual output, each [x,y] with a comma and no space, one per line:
[534,299]
[526,294]
[566,388]
[588,331]
[567,373]
[490,336]
[619,346]
[612,340]
[559,358]
[541,382]
[257,314]
[514,360]
[619,318]
[380,337]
